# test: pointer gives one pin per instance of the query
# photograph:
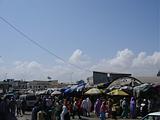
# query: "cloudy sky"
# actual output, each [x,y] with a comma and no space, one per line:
[106,35]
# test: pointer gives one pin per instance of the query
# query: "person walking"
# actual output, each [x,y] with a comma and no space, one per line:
[97,107]
[144,108]
[79,109]
[24,104]
[58,110]
[133,108]
[103,110]
[109,108]
[89,105]
[12,106]
[36,109]
[114,113]
[84,107]
[4,109]
[124,109]
[75,108]
[65,113]
[18,102]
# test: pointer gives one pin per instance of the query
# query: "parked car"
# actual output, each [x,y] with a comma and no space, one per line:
[9,96]
[30,99]
[152,116]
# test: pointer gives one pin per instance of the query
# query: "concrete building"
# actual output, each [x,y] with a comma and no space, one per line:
[19,84]
[41,85]
[11,85]
[103,77]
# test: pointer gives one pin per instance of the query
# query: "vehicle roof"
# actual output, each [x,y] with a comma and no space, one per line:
[155,114]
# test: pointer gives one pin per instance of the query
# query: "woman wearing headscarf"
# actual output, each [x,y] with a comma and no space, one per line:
[65,114]
[103,110]
[97,107]
[89,105]
[132,108]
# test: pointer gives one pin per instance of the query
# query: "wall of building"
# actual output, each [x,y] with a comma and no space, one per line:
[41,85]
[102,77]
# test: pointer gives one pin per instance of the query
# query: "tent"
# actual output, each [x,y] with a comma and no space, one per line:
[141,89]
[118,92]
[70,89]
[67,91]
[80,88]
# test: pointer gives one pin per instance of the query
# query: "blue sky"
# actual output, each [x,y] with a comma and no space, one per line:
[95,30]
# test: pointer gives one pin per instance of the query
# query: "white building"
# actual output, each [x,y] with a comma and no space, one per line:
[42,85]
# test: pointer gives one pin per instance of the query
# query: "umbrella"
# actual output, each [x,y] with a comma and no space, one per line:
[93,91]
[118,92]
[56,93]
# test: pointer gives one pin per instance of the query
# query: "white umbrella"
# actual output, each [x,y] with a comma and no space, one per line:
[41,92]
[93,91]
[56,93]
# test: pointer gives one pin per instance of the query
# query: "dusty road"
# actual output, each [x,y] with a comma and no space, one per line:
[27,116]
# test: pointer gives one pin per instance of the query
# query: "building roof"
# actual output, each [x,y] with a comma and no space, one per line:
[149,79]
[111,72]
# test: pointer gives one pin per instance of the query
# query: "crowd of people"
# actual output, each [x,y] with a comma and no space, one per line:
[123,108]
[60,108]
[63,109]
[10,108]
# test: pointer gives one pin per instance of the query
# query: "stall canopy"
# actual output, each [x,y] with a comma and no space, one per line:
[118,92]
[141,89]
[71,89]
[80,88]
[103,85]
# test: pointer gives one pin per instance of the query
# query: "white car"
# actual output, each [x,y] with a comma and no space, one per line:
[152,116]
[30,100]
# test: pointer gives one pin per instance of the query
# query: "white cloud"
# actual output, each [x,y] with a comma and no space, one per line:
[78,58]
[143,60]
[120,63]
[124,61]
[127,61]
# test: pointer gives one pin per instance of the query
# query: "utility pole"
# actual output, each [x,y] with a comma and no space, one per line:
[71,77]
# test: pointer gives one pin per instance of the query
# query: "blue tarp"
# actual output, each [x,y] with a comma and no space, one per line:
[74,88]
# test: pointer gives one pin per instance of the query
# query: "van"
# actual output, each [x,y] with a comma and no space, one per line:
[30,99]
